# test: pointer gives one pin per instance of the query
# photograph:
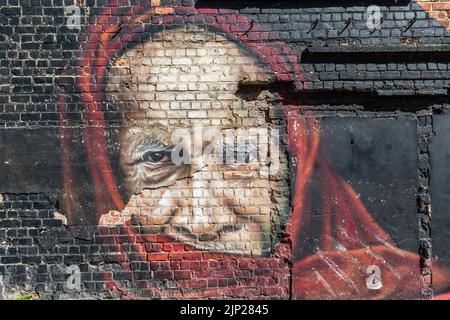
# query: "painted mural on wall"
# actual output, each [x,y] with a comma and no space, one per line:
[205,178]
[197,191]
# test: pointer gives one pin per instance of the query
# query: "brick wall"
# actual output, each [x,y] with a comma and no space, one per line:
[96,97]
[437,10]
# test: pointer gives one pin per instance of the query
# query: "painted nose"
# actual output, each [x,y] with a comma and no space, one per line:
[203,213]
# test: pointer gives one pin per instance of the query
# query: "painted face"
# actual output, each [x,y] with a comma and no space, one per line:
[193,151]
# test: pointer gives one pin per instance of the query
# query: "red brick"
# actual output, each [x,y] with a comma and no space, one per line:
[441,6]
[192,255]
[157,256]
[182,274]
[174,256]
[164,275]
[178,246]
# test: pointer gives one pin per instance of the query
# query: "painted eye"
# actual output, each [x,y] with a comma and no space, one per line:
[155,156]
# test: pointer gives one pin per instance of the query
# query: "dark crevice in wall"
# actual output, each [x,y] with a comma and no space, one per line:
[424,209]
[369,100]
[361,56]
[284,4]
[371,48]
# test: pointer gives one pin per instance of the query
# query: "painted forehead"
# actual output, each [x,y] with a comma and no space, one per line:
[185,60]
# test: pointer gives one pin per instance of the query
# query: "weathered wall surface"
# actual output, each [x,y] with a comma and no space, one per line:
[218,149]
